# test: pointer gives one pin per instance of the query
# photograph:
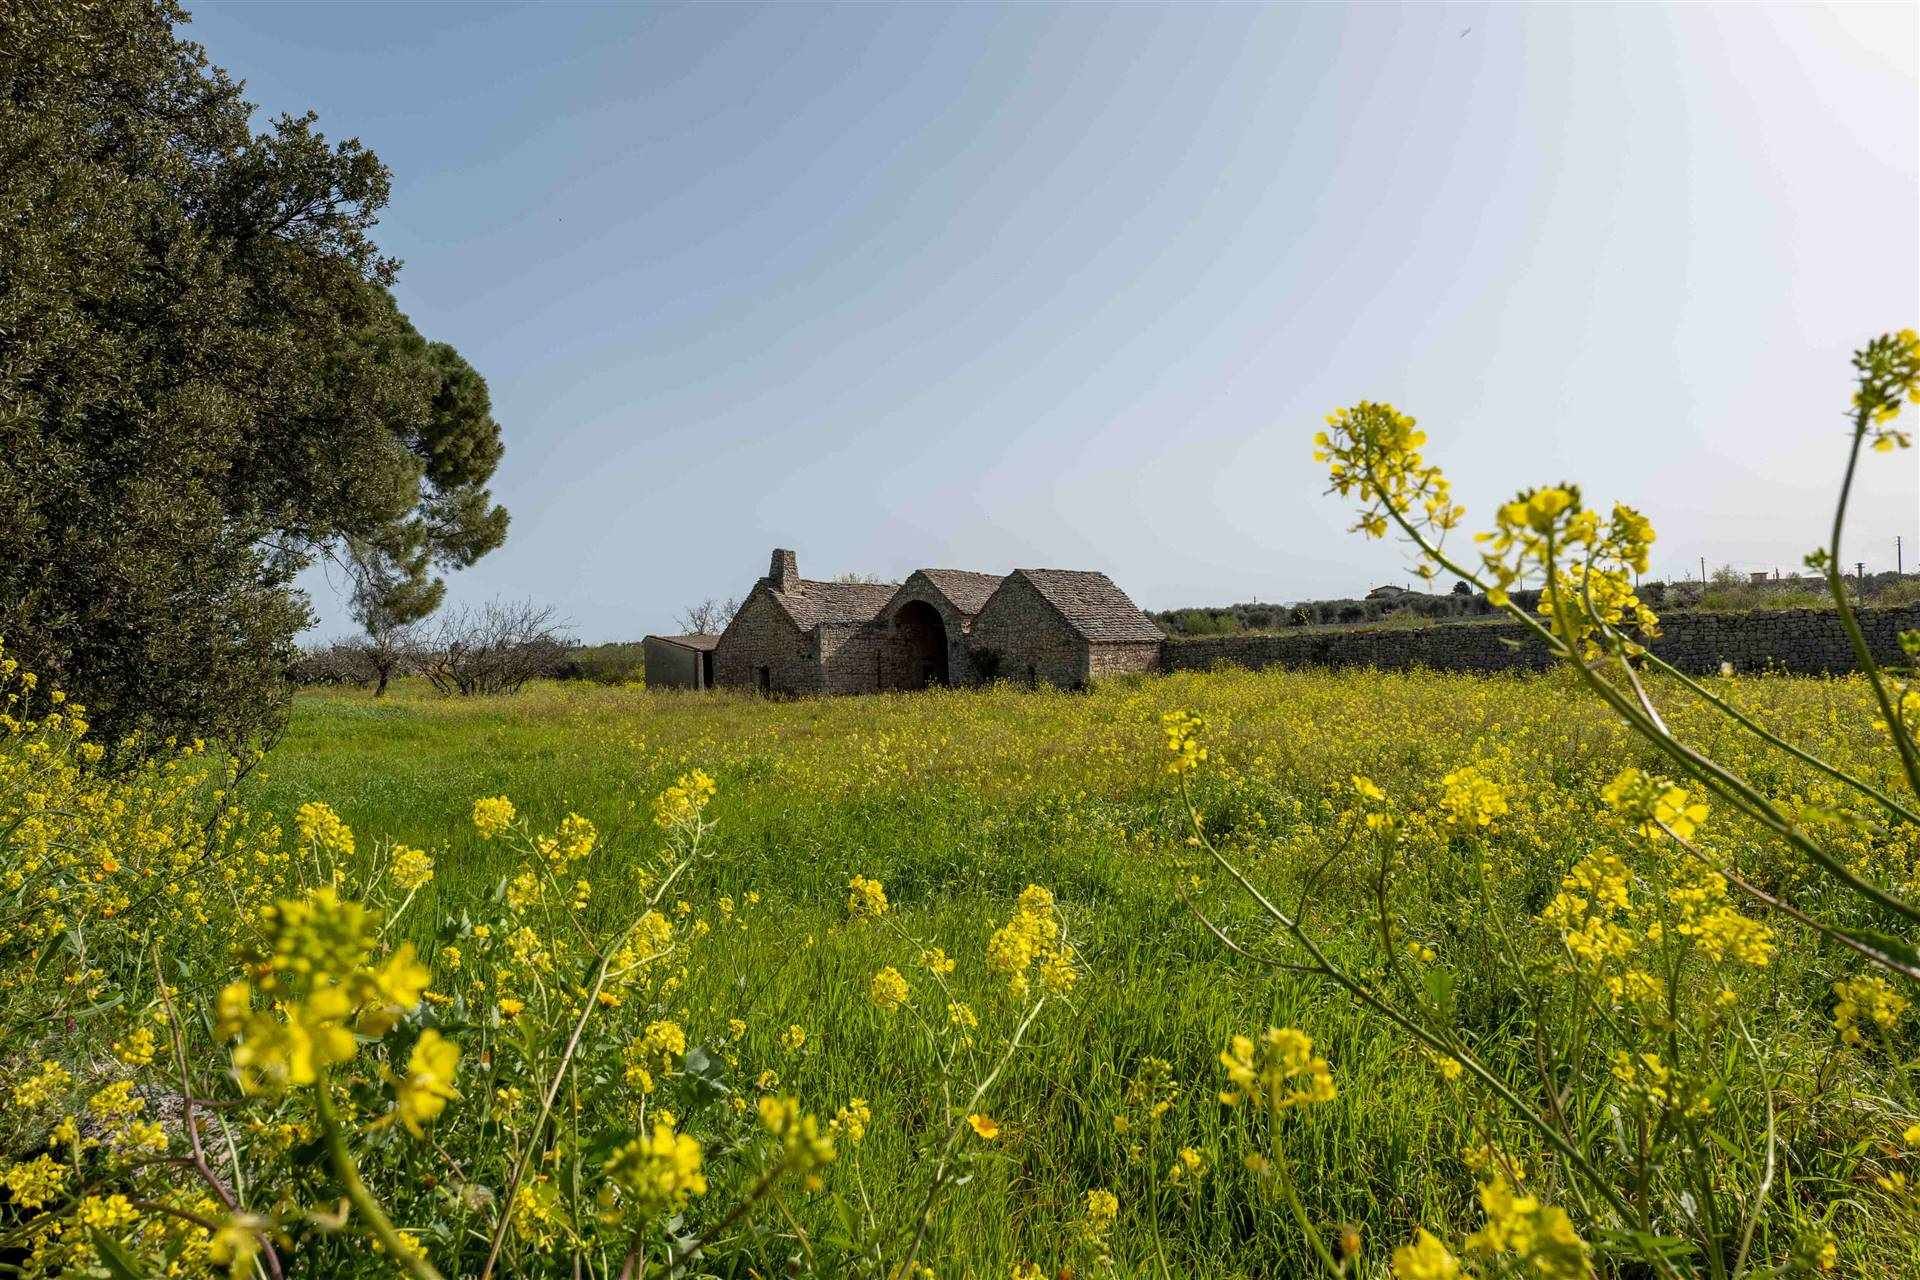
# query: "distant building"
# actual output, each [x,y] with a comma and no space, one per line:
[939,627]
[679,662]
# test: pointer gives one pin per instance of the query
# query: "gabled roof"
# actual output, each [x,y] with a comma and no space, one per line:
[690,641]
[1096,609]
[964,589]
[811,603]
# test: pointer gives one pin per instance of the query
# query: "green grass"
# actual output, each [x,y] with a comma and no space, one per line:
[957,801]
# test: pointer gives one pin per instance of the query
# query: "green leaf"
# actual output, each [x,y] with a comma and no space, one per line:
[1886,944]
[1439,983]
[121,1265]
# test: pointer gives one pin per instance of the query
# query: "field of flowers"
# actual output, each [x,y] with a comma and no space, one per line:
[1602,971]
[955,803]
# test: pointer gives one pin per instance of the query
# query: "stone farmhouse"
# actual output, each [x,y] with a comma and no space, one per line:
[795,635]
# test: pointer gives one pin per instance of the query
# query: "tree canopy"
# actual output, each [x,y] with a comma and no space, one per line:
[204,382]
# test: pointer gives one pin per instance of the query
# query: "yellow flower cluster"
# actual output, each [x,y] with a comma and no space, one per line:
[1183,729]
[1538,1236]
[1657,804]
[803,1149]
[1648,1078]
[34,1182]
[866,899]
[1868,998]
[658,1171]
[320,827]
[42,1086]
[1470,799]
[1425,1259]
[888,990]
[1033,942]
[1888,370]
[655,1053]
[423,1093]
[1716,927]
[851,1121]
[1103,1207]
[1586,566]
[1277,1072]
[570,843]
[314,958]
[412,868]
[492,815]
[679,807]
[1372,451]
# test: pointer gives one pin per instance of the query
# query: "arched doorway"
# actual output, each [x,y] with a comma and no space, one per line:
[922,638]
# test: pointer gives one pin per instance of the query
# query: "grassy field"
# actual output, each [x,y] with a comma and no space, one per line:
[956,801]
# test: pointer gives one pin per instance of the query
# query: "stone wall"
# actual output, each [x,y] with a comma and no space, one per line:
[762,635]
[1800,641]
[1028,639]
[1105,660]
[851,656]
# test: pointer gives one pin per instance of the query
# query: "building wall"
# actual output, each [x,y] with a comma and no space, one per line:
[1798,641]
[762,635]
[1029,638]
[670,666]
[1105,660]
[851,656]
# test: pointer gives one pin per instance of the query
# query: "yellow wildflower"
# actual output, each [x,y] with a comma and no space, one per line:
[1425,1259]
[492,815]
[866,898]
[1281,1071]
[411,867]
[661,1170]
[424,1092]
[888,990]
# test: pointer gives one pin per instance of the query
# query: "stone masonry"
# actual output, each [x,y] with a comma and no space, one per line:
[1795,641]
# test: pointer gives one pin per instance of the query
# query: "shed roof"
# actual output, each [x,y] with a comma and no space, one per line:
[689,641]
[811,603]
[964,589]
[1096,609]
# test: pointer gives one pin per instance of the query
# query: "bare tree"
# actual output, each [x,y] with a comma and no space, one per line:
[337,665]
[391,600]
[495,648]
[862,579]
[710,617]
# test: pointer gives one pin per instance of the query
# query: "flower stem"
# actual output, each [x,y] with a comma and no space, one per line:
[403,1251]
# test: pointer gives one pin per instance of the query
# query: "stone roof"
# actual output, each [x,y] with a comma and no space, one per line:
[811,603]
[689,642]
[1096,609]
[963,588]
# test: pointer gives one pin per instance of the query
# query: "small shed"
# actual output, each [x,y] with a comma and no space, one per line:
[679,662]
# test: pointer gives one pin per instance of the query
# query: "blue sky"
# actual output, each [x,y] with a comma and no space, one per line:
[994,287]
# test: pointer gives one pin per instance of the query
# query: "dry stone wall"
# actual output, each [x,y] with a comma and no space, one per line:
[1104,660]
[1798,641]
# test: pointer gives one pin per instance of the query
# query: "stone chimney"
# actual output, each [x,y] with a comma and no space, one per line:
[784,572]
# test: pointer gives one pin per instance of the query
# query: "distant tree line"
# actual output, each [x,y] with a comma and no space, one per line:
[1725,591]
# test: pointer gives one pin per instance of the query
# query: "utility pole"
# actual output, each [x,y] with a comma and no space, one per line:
[1899,560]
[1703,571]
